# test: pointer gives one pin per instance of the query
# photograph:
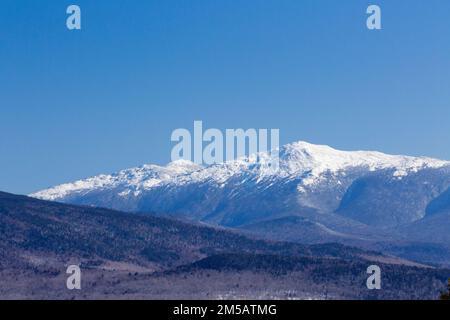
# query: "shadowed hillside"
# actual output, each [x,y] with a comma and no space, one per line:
[125,255]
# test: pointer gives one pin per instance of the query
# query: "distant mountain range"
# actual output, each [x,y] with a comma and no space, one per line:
[399,204]
[126,256]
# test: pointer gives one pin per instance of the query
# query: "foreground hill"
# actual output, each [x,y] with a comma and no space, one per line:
[125,255]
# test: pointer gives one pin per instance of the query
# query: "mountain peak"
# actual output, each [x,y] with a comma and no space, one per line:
[183,165]
[302,155]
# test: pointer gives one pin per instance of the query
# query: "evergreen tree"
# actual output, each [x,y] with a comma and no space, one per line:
[446,296]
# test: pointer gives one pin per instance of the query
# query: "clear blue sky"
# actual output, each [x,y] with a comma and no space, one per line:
[75,104]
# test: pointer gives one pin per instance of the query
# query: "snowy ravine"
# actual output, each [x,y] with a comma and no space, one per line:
[328,193]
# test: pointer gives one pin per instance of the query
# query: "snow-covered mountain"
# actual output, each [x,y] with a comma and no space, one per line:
[311,163]
[324,193]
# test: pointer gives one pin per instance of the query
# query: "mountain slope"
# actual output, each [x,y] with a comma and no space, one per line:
[125,255]
[42,227]
[31,226]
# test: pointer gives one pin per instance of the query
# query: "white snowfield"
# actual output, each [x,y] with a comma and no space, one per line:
[299,159]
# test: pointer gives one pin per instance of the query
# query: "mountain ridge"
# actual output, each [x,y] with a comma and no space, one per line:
[365,196]
[314,158]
